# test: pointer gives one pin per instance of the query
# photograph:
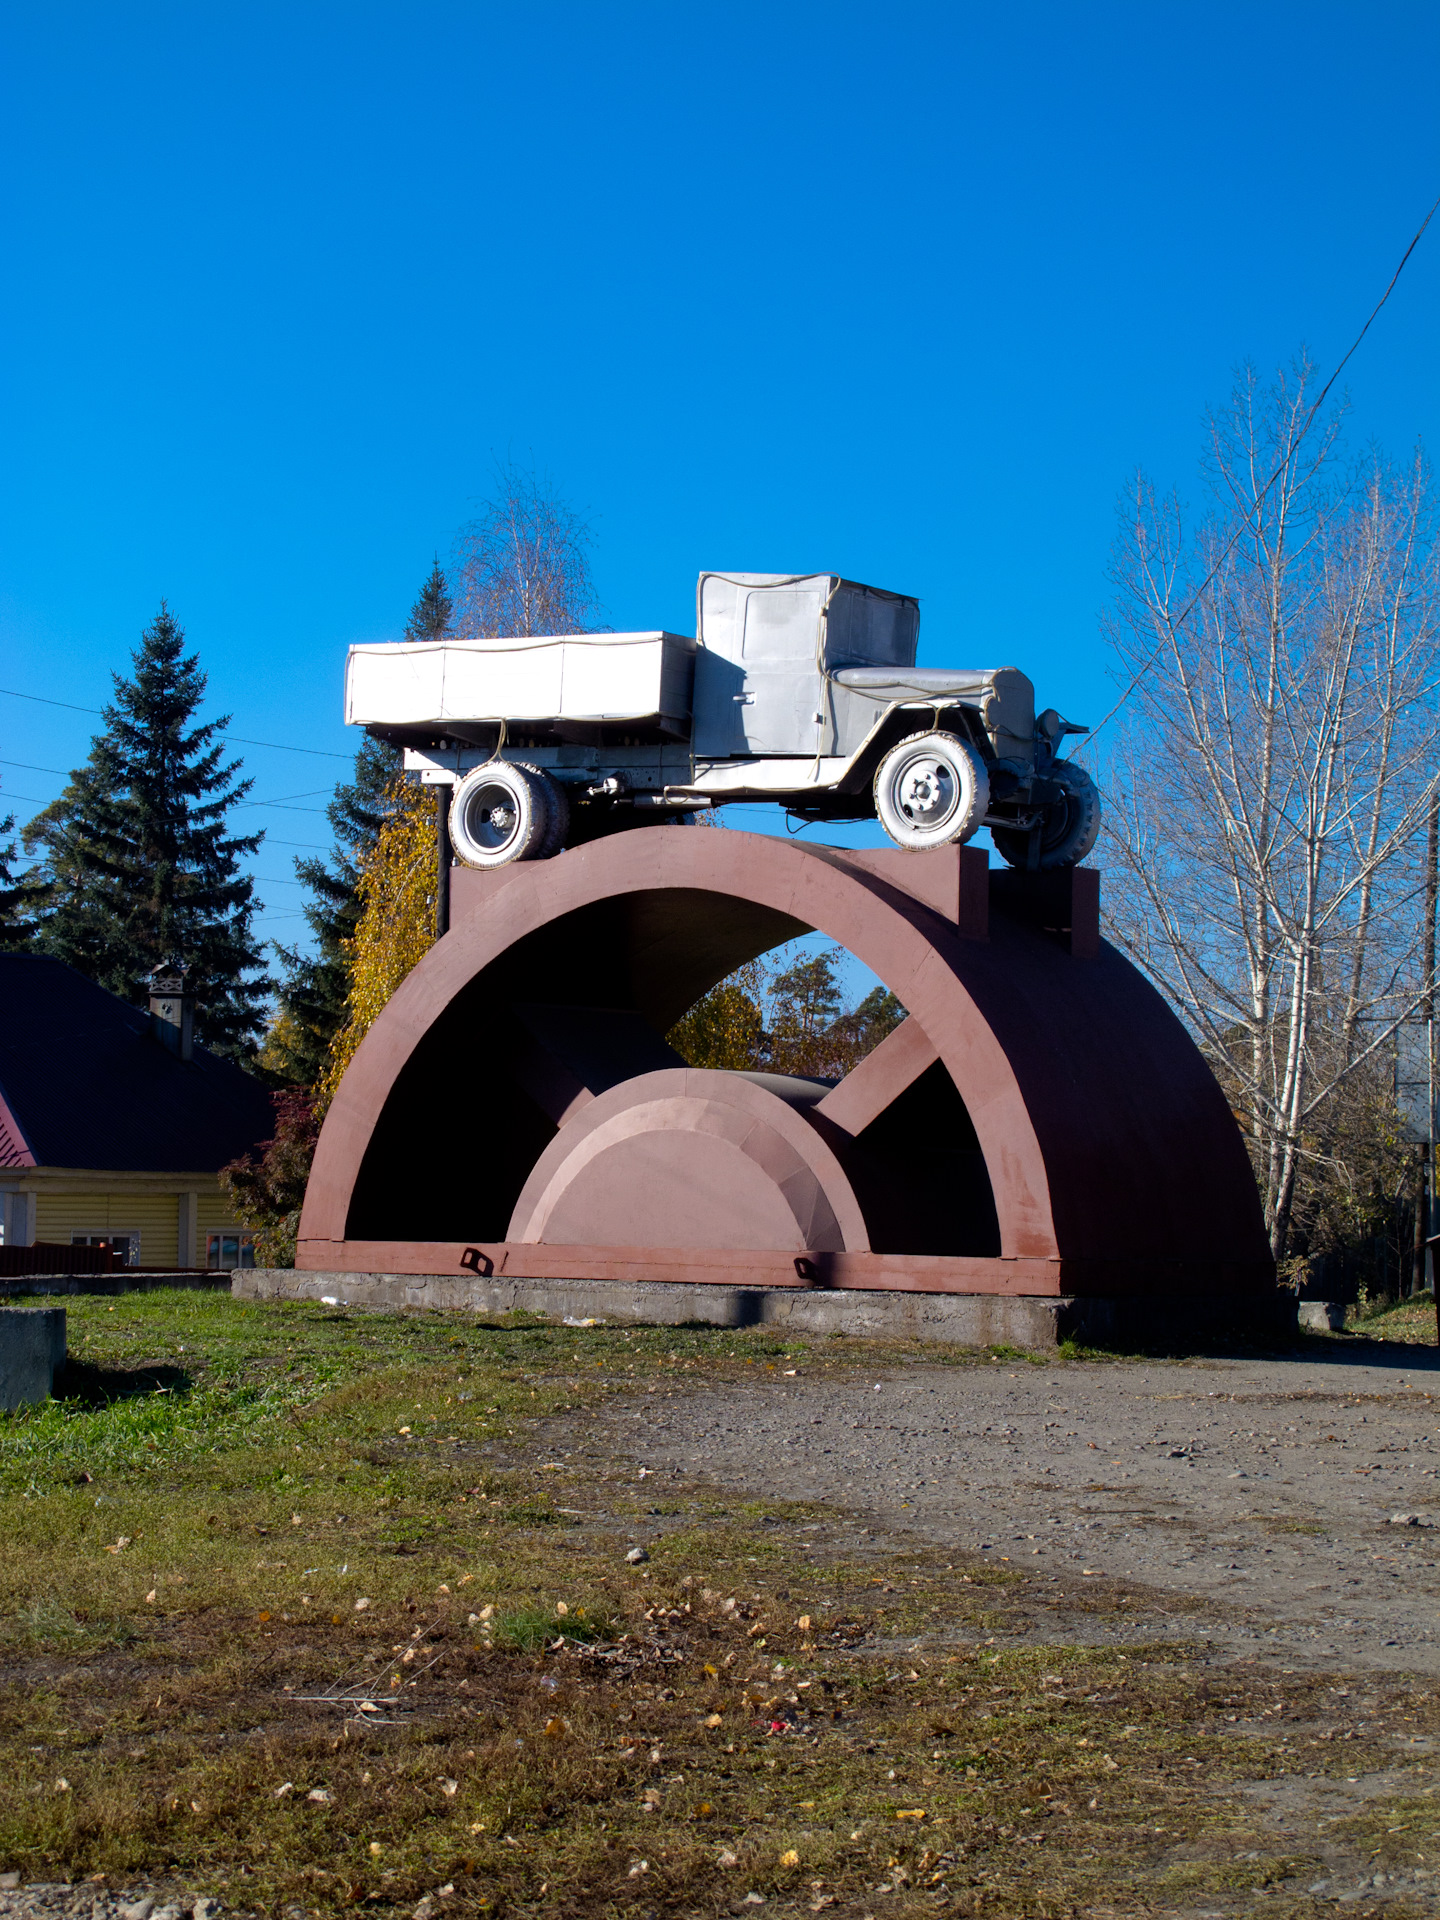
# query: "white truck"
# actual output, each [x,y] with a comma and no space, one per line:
[800,689]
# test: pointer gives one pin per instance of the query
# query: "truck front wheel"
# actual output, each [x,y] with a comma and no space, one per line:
[506,811]
[1069,828]
[930,790]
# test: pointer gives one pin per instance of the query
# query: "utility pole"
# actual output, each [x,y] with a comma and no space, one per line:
[443,858]
[1425,1197]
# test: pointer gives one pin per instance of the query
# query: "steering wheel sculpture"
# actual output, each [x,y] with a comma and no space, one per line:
[1039,1124]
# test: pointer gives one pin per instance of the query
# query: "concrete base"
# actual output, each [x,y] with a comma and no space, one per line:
[32,1350]
[958,1319]
[1322,1316]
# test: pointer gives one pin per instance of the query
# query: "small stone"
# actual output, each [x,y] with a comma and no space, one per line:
[424,1907]
[1406,1520]
[758,1899]
[728,1859]
[138,1909]
[170,1911]
[205,1909]
[319,1794]
[9,1882]
[636,1556]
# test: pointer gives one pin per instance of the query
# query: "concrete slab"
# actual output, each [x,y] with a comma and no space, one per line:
[32,1348]
[956,1319]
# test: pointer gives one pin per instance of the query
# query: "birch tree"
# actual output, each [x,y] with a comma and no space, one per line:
[522,566]
[1268,788]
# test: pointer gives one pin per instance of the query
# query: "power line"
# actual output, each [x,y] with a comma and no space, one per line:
[311,793]
[241,739]
[1259,501]
[30,767]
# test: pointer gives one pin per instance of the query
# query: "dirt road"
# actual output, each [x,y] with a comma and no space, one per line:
[1265,1489]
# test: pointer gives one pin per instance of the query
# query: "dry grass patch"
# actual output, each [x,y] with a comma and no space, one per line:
[313,1620]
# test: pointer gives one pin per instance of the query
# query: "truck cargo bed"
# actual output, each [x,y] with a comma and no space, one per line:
[410,691]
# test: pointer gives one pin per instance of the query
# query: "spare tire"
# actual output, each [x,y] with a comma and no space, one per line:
[1069,828]
[504,811]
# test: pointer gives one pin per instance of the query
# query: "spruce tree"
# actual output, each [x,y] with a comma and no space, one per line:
[137,864]
[313,998]
[19,895]
[432,613]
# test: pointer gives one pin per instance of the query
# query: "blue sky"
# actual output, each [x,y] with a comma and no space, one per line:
[904,292]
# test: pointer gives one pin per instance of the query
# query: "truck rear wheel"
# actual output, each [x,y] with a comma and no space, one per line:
[505,811]
[930,790]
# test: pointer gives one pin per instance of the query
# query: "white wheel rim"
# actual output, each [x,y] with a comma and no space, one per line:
[927,792]
[491,818]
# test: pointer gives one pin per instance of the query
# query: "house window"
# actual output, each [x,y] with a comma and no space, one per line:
[127,1245]
[224,1252]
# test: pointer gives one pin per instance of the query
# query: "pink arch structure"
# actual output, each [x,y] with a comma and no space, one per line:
[1040,1123]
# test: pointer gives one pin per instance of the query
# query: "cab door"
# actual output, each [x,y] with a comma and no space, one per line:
[780,696]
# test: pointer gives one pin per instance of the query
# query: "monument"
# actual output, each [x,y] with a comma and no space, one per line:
[1038,1147]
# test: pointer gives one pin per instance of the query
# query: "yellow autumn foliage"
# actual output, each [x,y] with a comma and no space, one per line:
[726,1030]
[397,919]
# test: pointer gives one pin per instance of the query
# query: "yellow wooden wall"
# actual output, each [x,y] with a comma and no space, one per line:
[155,1216]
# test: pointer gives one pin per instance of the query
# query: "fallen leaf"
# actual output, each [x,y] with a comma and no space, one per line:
[803,1623]
[790,1858]
[728,1859]
[714,1672]
[375,1847]
[449,1788]
[910,1813]
[713,1720]
[262,1617]
[62,1785]
[360,1605]
[318,1794]
[561,1608]
[120,1545]
[287,1787]
[554,1729]
[294,1519]
[150,1597]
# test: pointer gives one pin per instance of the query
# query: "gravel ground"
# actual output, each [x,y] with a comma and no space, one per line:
[56,1900]
[1294,1498]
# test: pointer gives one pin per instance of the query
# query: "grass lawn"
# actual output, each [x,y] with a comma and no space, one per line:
[291,1612]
